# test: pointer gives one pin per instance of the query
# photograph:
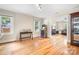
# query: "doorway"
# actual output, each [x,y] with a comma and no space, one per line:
[59,28]
[59,33]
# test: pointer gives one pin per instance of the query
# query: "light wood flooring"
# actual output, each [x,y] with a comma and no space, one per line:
[56,45]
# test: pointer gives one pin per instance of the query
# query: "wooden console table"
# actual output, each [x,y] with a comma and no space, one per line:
[22,33]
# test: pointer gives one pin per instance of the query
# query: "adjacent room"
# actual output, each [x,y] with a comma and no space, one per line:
[39,29]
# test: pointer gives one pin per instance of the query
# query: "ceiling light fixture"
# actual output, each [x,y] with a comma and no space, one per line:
[38,6]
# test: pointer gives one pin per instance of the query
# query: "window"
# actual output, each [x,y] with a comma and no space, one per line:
[36,25]
[6,24]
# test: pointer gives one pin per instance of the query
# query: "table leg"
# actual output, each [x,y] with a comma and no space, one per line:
[20,37]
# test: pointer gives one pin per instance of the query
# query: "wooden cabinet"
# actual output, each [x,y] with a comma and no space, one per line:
[44,31]
[75,28]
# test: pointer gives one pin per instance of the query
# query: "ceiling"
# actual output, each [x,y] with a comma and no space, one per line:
[46,10]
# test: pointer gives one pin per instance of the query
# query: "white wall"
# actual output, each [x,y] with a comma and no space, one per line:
[0,30]
[69,29]
[21,21]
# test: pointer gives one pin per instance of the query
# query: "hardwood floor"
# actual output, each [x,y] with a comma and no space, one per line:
[40,46]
